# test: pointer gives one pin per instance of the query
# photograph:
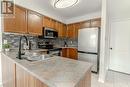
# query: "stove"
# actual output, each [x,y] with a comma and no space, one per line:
[51,49]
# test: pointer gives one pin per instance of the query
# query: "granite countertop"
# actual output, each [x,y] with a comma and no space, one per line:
[55,71]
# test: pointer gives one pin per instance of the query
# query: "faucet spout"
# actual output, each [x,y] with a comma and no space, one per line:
[19,52]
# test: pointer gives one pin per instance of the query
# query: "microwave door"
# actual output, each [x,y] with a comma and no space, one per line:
[49,34]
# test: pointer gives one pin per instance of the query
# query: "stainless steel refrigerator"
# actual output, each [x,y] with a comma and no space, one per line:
[89,46]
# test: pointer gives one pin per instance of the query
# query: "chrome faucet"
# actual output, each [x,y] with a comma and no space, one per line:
[19,52]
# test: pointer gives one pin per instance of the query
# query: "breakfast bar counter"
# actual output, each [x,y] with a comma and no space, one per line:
[55,71]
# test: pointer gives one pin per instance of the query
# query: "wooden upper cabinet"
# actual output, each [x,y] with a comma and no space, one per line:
[34,23]
[57,26]
[70,31]
[96,22]
[48,22]
[17,23]
[85,24]
[61,28]
[64,30]
[77,26]
[52,24]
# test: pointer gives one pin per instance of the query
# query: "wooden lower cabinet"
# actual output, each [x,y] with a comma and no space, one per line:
[15,76]
[71,53]
[85,81]
[8,72]
[25,79]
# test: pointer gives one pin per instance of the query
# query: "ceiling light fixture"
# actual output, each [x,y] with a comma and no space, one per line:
[65,3]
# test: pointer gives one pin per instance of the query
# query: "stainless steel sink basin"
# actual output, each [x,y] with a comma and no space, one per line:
[35,56]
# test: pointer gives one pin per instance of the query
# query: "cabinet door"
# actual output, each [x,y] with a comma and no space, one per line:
[57,25]
[72,53]
[85,24]
[46,22]
[52,23]
[60,27]
[8,72]
[16,23]
[34,23]
[64,52]
[25,79]
[96,22]
[62,30]
[76,27]
[70,31]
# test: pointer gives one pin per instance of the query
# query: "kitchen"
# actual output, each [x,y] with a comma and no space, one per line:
[39,46]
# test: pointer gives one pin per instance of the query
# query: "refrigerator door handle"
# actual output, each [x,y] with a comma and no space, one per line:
[88,52]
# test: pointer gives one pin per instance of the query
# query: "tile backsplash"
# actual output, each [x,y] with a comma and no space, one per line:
[13,40]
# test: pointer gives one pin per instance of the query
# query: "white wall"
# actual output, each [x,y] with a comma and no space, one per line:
[84,17]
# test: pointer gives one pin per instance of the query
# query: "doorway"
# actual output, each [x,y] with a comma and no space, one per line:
[120,46]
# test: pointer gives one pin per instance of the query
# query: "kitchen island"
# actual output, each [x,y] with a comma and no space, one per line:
[53,72]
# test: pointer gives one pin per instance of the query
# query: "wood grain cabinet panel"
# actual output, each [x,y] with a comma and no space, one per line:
[85,24]
[57,26]
[64,30]
[71,31]
[25,79]
[52,24]
[46,22]
[96,22]
[16,23]
[71,53]
[77,26]
[64,52]
[8,72]
[61,28]
[34,23]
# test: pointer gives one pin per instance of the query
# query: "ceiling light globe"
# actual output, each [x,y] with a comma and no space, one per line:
[65,3]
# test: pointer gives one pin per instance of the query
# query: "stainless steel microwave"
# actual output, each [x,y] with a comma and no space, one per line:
[49,33]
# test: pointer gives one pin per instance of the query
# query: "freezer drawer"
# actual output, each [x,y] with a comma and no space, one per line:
[89,58]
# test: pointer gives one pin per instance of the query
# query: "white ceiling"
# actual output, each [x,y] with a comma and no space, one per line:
[84,7]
